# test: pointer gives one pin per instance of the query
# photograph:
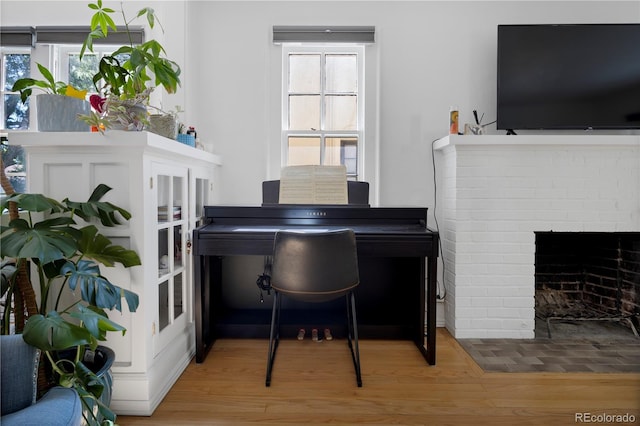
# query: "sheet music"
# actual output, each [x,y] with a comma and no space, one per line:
[313,185]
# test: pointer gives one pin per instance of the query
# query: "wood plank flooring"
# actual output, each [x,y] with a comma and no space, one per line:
[314,383]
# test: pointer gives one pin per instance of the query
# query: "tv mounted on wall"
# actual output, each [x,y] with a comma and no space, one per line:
[584,76]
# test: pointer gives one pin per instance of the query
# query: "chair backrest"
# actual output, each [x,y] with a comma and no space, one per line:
[315,266]
[358,192]
[18,373]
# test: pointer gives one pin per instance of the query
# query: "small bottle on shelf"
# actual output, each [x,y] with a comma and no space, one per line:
[453,120]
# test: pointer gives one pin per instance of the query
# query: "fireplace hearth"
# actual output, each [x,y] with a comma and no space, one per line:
[585,280]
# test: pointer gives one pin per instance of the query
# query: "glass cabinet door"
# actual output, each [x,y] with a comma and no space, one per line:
[172,225]
[200,195]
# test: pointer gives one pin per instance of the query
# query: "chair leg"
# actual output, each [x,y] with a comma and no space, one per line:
[352,336]
[274,336]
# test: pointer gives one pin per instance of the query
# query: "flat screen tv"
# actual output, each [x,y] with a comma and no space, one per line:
[584,76]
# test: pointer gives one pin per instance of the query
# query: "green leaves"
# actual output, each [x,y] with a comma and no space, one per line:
[46,242]
[60,249]
[53,333]
[98,247]
[33,203]
[48,85]
[57,237]
[94,208]
[151,15]
[101,23]
[95,288]
[129,79]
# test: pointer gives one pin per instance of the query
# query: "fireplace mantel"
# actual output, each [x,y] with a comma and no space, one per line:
[538,140]
[494,192]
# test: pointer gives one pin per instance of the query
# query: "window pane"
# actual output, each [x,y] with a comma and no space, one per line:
[14,166]
[304,74]
[177,296]
[304,112]
[16,114]
[304,151]
[177,245]
[17,66]
[163,304]
[342,74]
[163,250]
[342,112]
[341,150]
[81,72]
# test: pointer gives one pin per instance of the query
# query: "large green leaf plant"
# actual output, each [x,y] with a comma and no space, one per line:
[127,76]
[67,255]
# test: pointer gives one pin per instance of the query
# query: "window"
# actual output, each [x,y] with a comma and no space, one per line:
[323,108]
[16,64]
[78,73]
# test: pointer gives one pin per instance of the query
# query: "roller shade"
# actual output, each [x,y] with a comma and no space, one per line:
[17,36]
[323,34]
[77,35]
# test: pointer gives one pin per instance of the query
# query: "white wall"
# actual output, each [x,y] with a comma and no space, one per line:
[428,55]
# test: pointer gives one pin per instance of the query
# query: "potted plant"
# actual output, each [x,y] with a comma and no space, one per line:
[67,256]
[60,104]
[165,123]
[122,82]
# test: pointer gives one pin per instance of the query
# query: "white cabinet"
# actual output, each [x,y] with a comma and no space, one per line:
[164,185]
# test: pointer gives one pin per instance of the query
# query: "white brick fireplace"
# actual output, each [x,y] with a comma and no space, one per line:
[494,192]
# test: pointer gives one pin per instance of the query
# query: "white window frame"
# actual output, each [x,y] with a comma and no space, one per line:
[8,50]
[323,49]
[62,54]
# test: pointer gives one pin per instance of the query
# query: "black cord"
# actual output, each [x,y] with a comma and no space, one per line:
[264,281]
[441,292]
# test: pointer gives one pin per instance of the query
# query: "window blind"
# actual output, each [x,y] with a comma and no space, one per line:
[323,34]
[17,36]
[77,35]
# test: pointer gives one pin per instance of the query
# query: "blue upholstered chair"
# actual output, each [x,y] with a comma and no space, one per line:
[19,375]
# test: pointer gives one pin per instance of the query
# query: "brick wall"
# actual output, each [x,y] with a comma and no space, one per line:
[495,192]
[587,274]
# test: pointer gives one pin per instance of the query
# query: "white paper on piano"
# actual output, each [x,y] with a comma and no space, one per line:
[313,185]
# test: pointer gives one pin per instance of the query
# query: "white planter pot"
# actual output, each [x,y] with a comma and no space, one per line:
[58,113]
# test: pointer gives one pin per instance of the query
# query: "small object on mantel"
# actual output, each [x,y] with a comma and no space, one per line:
[478,128]
[453,120]
[186,139]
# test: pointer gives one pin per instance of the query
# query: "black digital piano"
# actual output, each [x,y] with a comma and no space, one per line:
[397,256]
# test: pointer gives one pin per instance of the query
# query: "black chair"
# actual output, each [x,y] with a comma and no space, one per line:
[315,267]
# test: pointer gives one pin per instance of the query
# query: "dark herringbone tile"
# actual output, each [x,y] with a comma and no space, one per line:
[618,353]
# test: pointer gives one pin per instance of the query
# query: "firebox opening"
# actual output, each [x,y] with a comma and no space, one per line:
[589,277]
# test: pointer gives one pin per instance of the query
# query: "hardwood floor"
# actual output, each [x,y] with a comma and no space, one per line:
[314,383]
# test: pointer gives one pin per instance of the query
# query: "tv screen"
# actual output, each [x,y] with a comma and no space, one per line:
[584,76]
